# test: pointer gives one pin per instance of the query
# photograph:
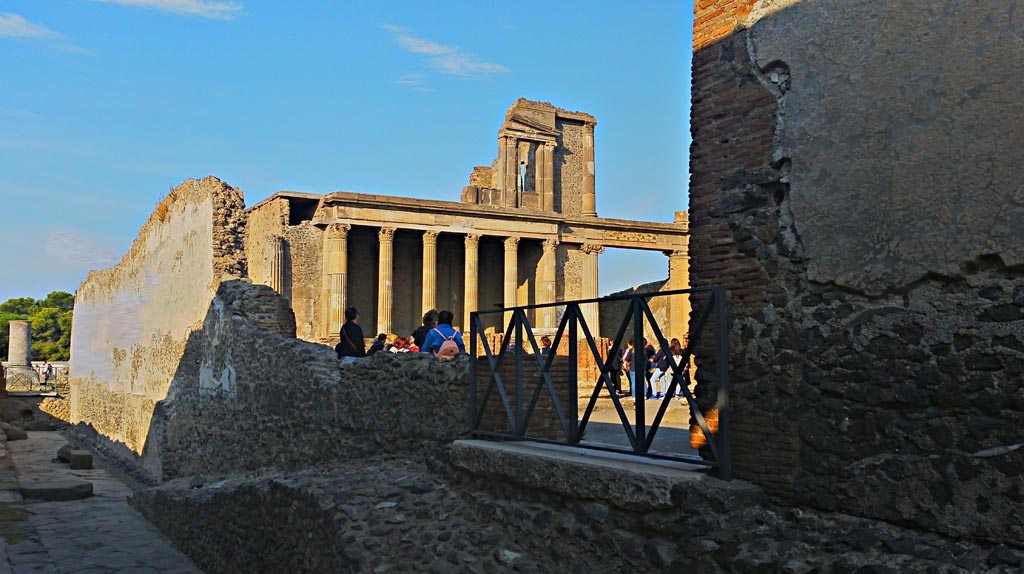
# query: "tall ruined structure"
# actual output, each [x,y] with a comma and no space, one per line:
[525,232]
[856,186]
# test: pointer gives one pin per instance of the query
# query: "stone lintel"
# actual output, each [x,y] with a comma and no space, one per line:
[621,480]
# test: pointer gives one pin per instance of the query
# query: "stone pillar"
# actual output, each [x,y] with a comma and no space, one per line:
[429,270]
[334,295]
[19,350]
[548,166]
[277,271]
[546,285]
[590,286]
[678,305]
[384,273]
[511,276]
[511,183]
[589,193]
[472,286]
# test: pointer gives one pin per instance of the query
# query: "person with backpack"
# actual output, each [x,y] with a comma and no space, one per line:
[444,341]
[351,346]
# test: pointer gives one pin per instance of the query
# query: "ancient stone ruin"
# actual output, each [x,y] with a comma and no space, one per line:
[855,188]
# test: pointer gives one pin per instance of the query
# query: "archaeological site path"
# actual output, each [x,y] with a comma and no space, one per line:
[96,535]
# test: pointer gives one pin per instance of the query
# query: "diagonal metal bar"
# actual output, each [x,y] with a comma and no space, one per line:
[604,375]
[677,371]
[495,381]
[546,376]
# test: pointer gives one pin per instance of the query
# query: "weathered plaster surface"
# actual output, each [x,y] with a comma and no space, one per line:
[131,321]
[903,123]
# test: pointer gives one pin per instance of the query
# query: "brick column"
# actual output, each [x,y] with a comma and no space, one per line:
[590,286]
[277,261]
[678,305]
[549,175]
[511,276]
[546,284]
[384,285]
[429,270]
[471,298]
[589,186]
[334,295]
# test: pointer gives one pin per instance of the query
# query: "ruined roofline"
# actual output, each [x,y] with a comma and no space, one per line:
[285,194]
[560,112]
[434,205]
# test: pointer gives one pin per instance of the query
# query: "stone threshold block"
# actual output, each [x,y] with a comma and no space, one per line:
[80,459]
[58,490]
[622,480]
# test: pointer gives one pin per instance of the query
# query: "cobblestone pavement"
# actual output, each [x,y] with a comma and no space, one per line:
[96,535]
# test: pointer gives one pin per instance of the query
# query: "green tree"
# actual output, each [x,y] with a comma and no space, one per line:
[51,324]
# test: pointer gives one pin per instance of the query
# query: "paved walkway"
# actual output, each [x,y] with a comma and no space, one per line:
[97,535]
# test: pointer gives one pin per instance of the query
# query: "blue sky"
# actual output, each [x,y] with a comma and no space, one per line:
[106,104]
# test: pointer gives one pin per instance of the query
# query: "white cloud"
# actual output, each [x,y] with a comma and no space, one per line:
[416,82]
[72,249]
[447,59]
[15,26]
[203,8]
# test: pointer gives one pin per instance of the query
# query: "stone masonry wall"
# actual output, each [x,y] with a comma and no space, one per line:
[131,322]
[855,184]
[249,395]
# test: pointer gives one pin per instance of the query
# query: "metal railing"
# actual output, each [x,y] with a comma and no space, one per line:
[573,426]
[33,379]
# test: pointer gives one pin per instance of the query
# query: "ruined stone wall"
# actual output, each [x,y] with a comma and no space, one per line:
[855,184]
[131,321]
[612,313]
[249,395]
[305,245]
[570,166]
[263,222]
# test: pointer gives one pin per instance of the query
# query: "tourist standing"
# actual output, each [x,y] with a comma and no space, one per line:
[351,346]
[545,346]
[615,370]
[627,365]
[47,373]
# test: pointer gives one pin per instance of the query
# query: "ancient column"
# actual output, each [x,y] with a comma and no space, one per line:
[590,286]
[546,284]
[19,350]
[472,289]
[429,270]
[276,275]
[511,276]
[511,183]
[384,286]
[678,305]
[589,194]
[334,295]
[548,167]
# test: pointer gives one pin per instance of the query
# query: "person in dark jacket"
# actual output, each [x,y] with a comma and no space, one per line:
[377,345]
[419,336]
[351,346]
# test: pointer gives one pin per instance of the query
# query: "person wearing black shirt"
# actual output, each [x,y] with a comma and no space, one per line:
[351,346]
[377,345]
[419,336]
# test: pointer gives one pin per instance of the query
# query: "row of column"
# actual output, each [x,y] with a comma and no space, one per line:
[335,278]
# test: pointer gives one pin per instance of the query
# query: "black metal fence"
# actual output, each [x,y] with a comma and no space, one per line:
[519,406]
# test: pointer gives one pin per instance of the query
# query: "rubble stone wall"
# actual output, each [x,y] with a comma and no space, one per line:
[131,321]
[250,395]
[856,188]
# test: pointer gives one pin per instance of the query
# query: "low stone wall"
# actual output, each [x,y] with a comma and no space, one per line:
[249,395]
[507,510]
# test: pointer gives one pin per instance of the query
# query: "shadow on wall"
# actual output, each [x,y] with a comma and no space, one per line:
[247,394]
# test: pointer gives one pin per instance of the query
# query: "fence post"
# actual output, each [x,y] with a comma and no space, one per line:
[573,376]
[722,376]
[473,334]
